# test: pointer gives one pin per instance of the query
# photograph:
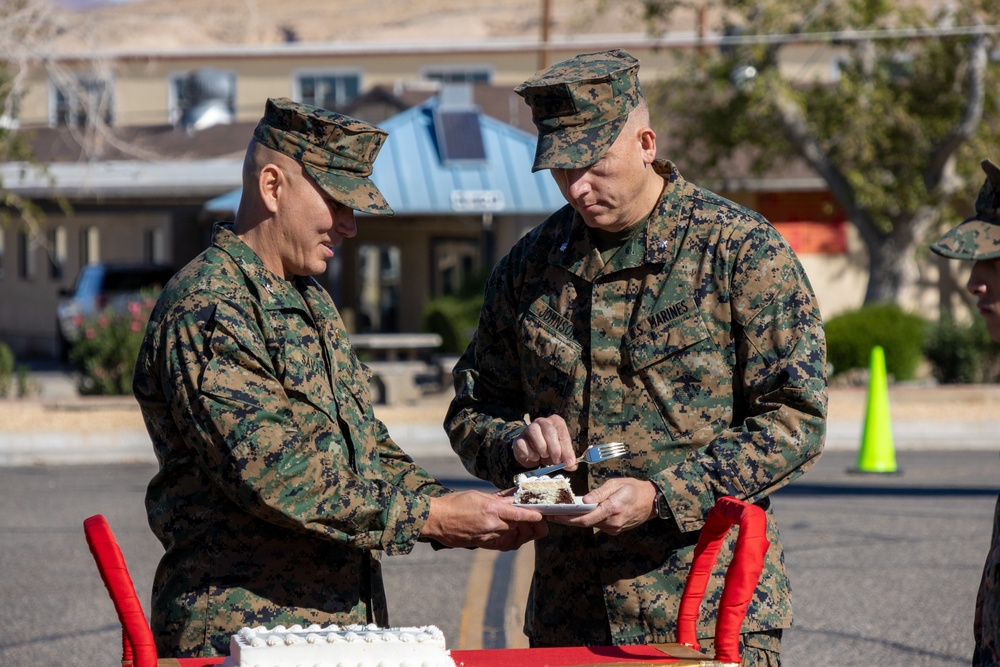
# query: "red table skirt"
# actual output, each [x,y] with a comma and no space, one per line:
[571,656]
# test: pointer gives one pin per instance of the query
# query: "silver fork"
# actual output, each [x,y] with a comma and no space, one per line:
[593,454]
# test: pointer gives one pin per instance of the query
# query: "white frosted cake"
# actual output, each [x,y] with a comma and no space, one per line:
[543,490]
[334,646]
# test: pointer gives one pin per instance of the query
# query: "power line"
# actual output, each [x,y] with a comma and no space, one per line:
[852,35]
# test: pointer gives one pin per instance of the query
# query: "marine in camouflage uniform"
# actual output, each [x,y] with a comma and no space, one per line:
[698,344]
[278,489]
[978,239]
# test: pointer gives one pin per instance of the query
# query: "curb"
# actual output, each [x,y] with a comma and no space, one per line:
[133,446]
[426,440]
[62,448]
[919,435]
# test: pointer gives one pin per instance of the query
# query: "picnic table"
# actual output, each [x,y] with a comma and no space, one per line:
[395,346]
[398,362]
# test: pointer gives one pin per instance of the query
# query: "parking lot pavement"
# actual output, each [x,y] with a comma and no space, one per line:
[884,568]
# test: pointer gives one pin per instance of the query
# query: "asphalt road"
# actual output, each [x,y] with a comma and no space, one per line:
[884,568]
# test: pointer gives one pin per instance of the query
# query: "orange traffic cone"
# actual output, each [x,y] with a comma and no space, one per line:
[877,453]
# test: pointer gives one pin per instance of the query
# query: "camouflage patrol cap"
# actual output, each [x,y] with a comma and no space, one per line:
[977,237]
[580,106]
[337,151]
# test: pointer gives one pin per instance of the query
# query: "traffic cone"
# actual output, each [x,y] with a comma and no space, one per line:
[877,453]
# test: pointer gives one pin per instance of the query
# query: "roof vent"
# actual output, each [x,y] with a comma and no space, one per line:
[456,125]
[207,97]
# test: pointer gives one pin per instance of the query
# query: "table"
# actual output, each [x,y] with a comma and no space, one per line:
[741,578]
[394,346]
[397,363]
[571,656]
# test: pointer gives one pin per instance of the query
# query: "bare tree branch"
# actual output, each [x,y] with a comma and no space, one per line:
[796,130]
[942,160]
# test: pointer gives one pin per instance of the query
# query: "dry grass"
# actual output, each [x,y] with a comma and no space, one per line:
[98,414]
[172,24]
[80,415]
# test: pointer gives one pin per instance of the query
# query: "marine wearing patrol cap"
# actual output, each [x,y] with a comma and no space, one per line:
[580,106]
[337,151]
[977,237]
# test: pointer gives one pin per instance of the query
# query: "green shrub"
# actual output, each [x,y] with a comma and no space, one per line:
[455,317]
[851,336]
[6,370]
[962,353]
[25,385]
[106,350]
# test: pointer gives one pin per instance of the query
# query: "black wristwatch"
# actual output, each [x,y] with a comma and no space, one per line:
[661,506]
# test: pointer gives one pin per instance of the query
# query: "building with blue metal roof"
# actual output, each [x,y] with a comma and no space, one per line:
[461,186]
[417,177]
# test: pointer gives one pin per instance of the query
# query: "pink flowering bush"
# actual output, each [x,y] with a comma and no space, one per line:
[107,346]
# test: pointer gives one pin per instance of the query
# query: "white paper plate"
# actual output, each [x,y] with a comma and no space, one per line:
[578,508]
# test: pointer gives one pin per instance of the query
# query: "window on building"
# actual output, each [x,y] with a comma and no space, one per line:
[459,73]
[897,66]
[81,101]
[90,246]
[456,264]
[155,246]
[379,288]
[205,94]
[27,250]
[328,90]
[57,253]
[9,117]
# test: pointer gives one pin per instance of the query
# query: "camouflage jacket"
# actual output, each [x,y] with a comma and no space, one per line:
[277,487]
[700,345]
[986,624]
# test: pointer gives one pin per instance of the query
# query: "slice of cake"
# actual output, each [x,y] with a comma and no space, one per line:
[543,490]
[334,646]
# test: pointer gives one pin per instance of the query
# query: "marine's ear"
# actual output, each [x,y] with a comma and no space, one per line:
[270,180]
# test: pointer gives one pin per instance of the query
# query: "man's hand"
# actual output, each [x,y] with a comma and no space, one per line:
[622,504]
[476,519]
[545,441]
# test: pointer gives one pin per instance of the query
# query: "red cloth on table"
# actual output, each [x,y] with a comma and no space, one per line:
[137,639]
[741,576]
[524,657]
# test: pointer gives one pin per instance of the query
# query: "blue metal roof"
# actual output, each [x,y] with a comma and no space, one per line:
[225,204]
[410,173]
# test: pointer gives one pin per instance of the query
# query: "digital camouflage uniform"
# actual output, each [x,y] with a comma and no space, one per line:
[278,489]
[698,344]
[978,238]
[986,625]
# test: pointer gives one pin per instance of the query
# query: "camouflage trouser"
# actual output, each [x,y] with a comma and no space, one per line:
[987,622]
[759,649]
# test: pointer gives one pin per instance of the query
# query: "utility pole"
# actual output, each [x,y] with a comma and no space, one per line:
[702,20]
[543,52]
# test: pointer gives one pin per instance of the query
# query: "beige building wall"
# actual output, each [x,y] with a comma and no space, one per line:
[142,95]
[31,289]
[141,81]
[838,280]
